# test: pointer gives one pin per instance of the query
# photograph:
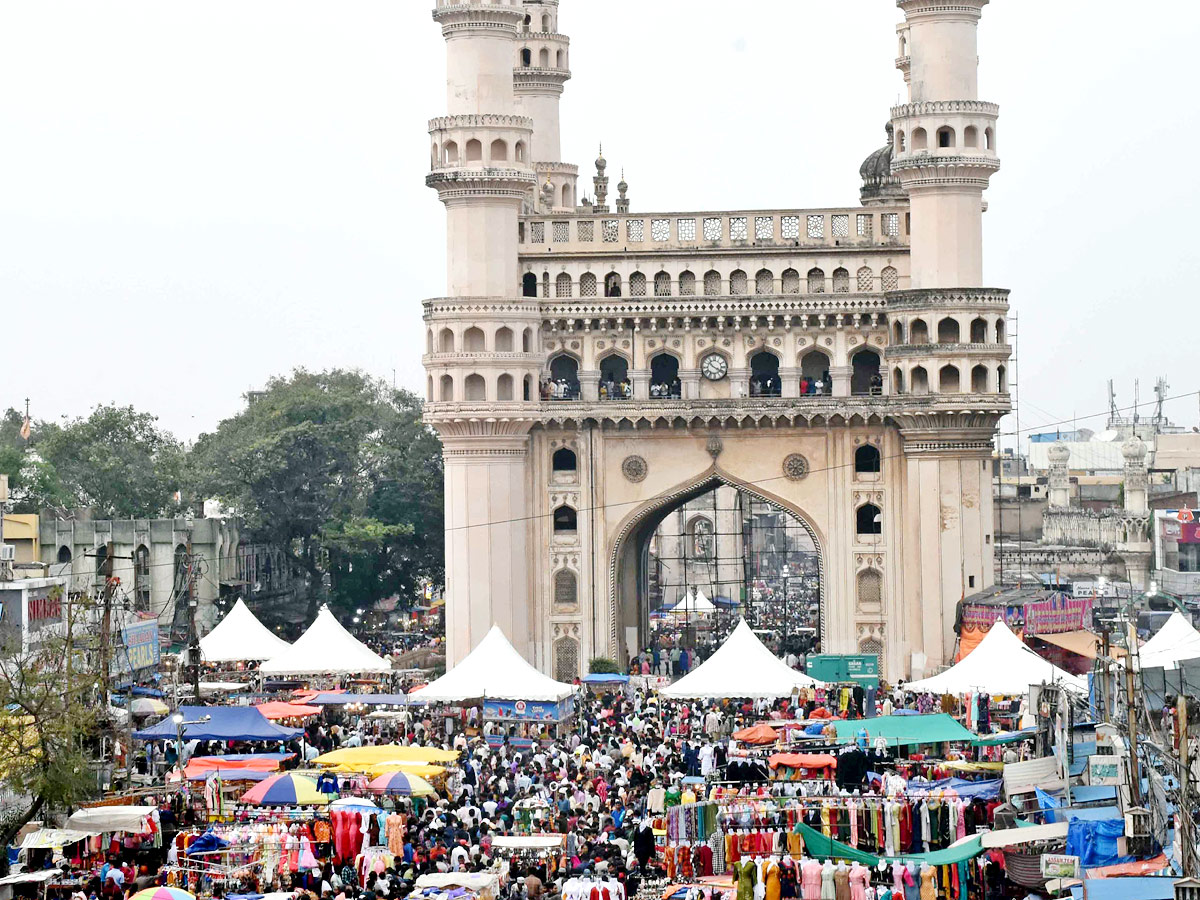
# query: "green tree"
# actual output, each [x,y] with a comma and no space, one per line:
[339,470]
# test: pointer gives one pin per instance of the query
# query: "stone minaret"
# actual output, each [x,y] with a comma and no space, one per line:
[480,341]
[948,330]
[1136,549]
[1060,476]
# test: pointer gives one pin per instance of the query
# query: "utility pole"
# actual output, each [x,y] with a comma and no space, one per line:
[1135,780]
[106,621]
[193,636]
[1183,818]
[5,566]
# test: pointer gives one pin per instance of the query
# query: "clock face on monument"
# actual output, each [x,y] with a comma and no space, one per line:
[714,367]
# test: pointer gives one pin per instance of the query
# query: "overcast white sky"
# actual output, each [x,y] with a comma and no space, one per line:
[195,196]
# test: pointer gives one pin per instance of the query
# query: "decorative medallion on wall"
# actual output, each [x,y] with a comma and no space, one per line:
[634,468]
[714,446]
[795,467]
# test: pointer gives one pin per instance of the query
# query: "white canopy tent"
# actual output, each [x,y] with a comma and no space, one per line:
[693,604]
[111,818]
[1176,641]
[1000,664]
[494,670]
[326,648]
[240,637]
[741,667]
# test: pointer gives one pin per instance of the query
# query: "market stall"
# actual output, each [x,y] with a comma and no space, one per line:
[326,648]
[742,667]
[239,638]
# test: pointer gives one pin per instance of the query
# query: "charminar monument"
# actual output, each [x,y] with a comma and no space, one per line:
[592,369]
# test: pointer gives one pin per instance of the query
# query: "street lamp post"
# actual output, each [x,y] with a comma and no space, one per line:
[179,724]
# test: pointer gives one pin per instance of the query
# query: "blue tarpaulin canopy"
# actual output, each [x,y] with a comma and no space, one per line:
[903,730]
[225,723]
[605,678]
[363,699]
[1127,888]
[206,843]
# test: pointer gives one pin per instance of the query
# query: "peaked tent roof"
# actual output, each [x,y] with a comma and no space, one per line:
[240,637]
[224,723]
[693,604]
[1177,640]
[1001,664]
[326,648]
[494,670]
[741,667]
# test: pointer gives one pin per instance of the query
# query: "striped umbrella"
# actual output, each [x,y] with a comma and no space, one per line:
[403,783]
[162,893]
[286,789]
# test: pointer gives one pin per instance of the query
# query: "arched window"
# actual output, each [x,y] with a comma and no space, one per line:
[566,197]
[764,282]
[504,387]
[866,280]
[920,381]
[764,375]
[864,376]
[1001,379]
[712,283]
[612,285]
[989,139]
[446,340]
[979,380]
[971,136]
[841,281]
[897,381]
[544,58]
[474,151]
[814,373]
[527,340]
[546,23]
[920,139]
[519,151]
[870,591]
[473,340]
[181,568]
[559,59]
[872,647]
[664,377]
[564,460]
[816,281]
[945,137]
[587,285]
[545,284]
[562,285]
[429,341]
[450,153]
[737,283]
[889,279]
[867,460]
[504,340]
[700,534]
[64,554]
[637,284]
[900,145]
[566,659]
[565,520]
[429,389]
[979,331]
[687,284]
[447,388]
[566,592]
[948,331]
[141,578]
[791,281]
[868,520]
[475,388]
[662,285]
[999,331]
[614,378]
[948,380]
[918,332]
[526,57]
[529,285]
[499,151]
[527,388]
[564,368]
[897,333]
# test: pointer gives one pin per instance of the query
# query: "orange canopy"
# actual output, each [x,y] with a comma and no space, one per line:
[757,734]
[202,765]
[303,695]
[286,710]
[802,760]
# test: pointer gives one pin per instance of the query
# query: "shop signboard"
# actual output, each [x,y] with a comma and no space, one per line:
[528,710]
[140,640]
[1104,769]
[1058,865]
[860,669]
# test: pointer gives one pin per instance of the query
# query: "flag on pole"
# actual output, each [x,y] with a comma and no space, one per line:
[25,429]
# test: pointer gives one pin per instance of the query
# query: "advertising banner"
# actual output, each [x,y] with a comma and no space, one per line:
[528,710]
[140,641]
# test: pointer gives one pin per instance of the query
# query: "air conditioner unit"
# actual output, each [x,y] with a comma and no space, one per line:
[8,552]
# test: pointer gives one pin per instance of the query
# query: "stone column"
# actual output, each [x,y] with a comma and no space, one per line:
[589,386]
[689,383]
[640,379]
[840,376]
[739,382]
[790,376]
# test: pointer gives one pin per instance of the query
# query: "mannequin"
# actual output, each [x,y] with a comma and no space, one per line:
[928,882]
[912,882]
[760,886]
[841,882]
[789,878]
[860,877]
[828,891]
[773,886]
[745,873]
[810,874]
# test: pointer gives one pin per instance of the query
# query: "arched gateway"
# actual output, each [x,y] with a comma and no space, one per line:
[666,354]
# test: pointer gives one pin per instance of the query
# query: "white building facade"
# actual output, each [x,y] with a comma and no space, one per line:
[590,369]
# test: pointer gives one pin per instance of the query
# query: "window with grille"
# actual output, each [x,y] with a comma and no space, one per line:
[764,282]
[637,285]
[870,589]
[791,281]
[841,226]
[866,280]
[737,283]
[687,284]
[891,224]
[609,229]
[712,284]
[790,227]
[872,647]
[562,285]
[712,229]
[816,226]
[866,225]
[660,229]
[562,232]
[566,589]
[737,228]
[764,228]
[635,230]
[816,281]
[685,229]
[537,232]
[662,285]
[566,659]
[585,230]
[587,285]
[890,279]
[841,281]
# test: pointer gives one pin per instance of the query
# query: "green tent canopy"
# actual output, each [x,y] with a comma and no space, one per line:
[903,730]
[821,847]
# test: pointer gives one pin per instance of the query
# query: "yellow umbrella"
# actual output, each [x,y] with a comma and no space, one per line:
[424,770]
[366,756]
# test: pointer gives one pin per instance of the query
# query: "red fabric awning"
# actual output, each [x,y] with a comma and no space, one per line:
[757,734]
[276,710]
[802,760]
